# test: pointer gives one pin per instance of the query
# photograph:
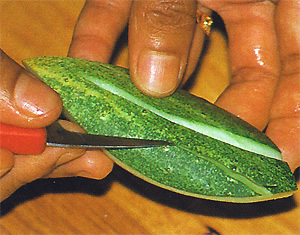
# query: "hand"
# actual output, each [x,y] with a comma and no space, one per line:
[27,102]
[165,44]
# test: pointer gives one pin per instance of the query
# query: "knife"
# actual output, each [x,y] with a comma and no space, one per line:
[34,141]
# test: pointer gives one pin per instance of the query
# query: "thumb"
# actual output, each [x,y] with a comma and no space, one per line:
[24,100]
[160,38]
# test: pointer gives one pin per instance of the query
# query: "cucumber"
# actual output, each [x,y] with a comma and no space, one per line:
[215,155]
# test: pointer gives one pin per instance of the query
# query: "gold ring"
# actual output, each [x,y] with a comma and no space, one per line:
[205,21]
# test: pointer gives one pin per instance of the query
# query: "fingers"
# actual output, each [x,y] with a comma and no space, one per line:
[160,39]
[93,164]
[54,162]
[29,168]
[254,58]
[24,100]
[98,28]
[284,127]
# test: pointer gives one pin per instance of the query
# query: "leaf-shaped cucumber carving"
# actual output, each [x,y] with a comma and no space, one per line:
[215,154]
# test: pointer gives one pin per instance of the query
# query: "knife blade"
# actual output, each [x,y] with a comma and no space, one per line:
[34,141]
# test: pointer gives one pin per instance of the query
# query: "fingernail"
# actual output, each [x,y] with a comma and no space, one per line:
[33,96]
[158,73]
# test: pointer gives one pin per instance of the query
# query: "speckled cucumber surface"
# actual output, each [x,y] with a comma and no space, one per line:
[215,155]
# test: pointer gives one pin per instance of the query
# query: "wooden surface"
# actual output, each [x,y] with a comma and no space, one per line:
[121,203]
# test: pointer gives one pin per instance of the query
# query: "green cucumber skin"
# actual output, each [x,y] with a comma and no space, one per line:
[190,167]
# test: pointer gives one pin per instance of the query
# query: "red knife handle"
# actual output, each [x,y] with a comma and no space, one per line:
[23,141]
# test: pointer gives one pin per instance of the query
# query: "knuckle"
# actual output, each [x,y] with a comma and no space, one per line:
[169,15]
[252,74]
